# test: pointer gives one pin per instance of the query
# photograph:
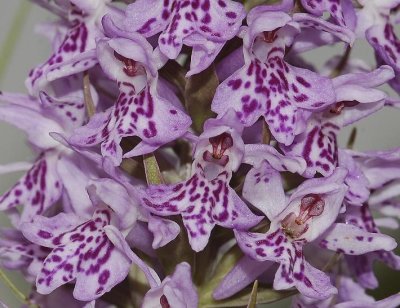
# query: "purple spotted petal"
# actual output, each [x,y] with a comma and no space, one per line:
[317,145]
[293,269]
[37,190]
[342,12]
[18,253]
[74,55]
[69,111]
[204,25]
[202,204]
[386,44]
[83,253]
[176,290]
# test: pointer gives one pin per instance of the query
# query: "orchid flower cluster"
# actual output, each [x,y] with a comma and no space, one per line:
[186,151]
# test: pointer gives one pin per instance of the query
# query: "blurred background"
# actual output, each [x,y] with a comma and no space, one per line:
[21,49]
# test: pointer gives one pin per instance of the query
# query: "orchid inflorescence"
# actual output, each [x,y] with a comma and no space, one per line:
[186,152]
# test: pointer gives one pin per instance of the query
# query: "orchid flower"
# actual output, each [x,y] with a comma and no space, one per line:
[361,266]
[267,85]
[374,23]
[126,202]
[206,199]
[310,211]
[57,171]
[77,51]
[139,110]
[203,25]
[92,251]
[356,98]
[368,171]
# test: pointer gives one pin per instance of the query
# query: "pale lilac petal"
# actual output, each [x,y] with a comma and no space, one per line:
[354,241]
[389,302]
[358,192]
[279,94]
[202,57]
[261,182]
[32,122]
[360,87]
[164,231]
[380,167]
[18,253]
[204,26]
[145,17]
[141,238]
[139,110]
[43,230]
[353,114]
[178,290]
[386,193]
[243,274]
[15,167]
[256,154]
[342,33]
[115,236]
[75,173]
[22,100]
[114,195]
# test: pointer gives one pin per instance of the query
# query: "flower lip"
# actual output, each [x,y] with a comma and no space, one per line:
[132,68]
[312,205]
[164,302]
[270,36]
[338,107]
[220,144]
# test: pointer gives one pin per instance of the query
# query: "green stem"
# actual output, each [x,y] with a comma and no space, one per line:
[12,36]
[18,294]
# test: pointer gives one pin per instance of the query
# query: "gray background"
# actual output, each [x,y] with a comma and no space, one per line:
[377,132]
